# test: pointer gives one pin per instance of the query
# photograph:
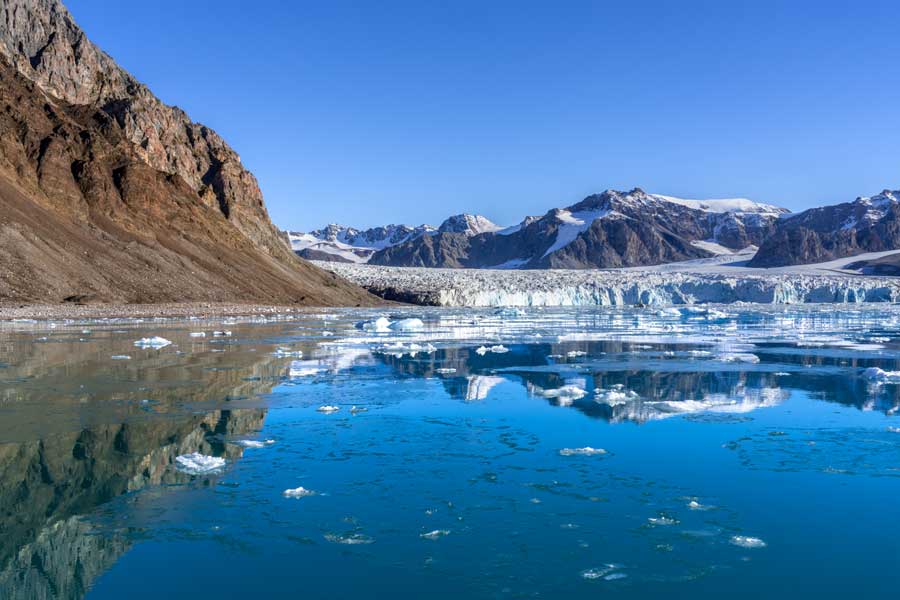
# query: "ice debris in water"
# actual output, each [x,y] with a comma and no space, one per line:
[608,572]
[199,464]
[328,408]
[380,324]
[662,520]
[407,325]
[743,357]
[586,451]
[433,535]
[745,541]
[298,492]
[120,357]
[879,376]
[481,351]
[564,393]
[152,342]
[197,334]
[349,538]
[399,349]
[576,353]
[283,351]
[224,333]
[445,370]
[894,429]
[255,443]
[614,397]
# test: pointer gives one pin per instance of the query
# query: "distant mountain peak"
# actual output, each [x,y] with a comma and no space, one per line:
[468,224]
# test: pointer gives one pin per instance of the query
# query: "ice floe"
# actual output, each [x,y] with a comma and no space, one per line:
[197,334]
[298,492]
[482,350]
[120,357]
[152,342]
[328,408]
[412,324]
[350,539]
[199,464]
[609,572]
[434,535]
[745,541]
[382,324]
[565,394]
[877,375]
[255,443]
[586,451]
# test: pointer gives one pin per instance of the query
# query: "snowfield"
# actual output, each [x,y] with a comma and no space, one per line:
[721,279]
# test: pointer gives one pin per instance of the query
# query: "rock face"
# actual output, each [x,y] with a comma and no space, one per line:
[107,193]
[612,229]
[832,232]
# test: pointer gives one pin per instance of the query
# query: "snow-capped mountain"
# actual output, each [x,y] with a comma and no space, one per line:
[868,224]
[347,244]
[612,229]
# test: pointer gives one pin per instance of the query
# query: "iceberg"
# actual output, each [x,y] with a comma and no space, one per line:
[152,342]
[298,492]
[199,464]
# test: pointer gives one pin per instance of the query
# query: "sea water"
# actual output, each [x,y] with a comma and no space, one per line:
[702,452]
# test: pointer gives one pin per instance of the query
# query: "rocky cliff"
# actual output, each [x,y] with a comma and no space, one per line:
[107,193]
[868,224]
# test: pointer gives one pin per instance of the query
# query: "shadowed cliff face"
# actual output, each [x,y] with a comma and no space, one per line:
[107,193]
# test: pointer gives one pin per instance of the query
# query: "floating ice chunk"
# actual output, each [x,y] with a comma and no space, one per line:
[662,520]
[615,397]
[327,333]
[351,539]
[605,572]
[509,311]
[745,541]
[445,370]
[693,504]
[399,349]
[879,376]
[152,342]
[586,451]
[120,357]
[576,353]
[199,464]
[894,429]
[565,393]
[668,312]
[283,351]
[304,368]
[354,410]
[741,357]
[481,351]
[380,324]
[298,492]
[197,334]
[328,408]
[407,325]
[225,333]
[255,443]
[433,535]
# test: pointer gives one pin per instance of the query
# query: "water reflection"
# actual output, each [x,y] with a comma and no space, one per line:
[610,380]
[49,550]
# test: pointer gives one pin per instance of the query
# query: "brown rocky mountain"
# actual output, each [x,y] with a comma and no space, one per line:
[868,224]
[108,194]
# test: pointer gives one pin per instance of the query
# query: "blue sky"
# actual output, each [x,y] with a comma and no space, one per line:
[367,113]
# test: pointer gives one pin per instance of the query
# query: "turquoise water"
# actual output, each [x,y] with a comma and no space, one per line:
[631,453]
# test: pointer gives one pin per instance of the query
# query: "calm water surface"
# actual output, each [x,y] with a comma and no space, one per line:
[618,453]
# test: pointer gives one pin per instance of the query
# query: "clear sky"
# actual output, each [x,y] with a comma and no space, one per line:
[367,113]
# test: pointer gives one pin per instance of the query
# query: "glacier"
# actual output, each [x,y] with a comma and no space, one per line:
[696,282]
